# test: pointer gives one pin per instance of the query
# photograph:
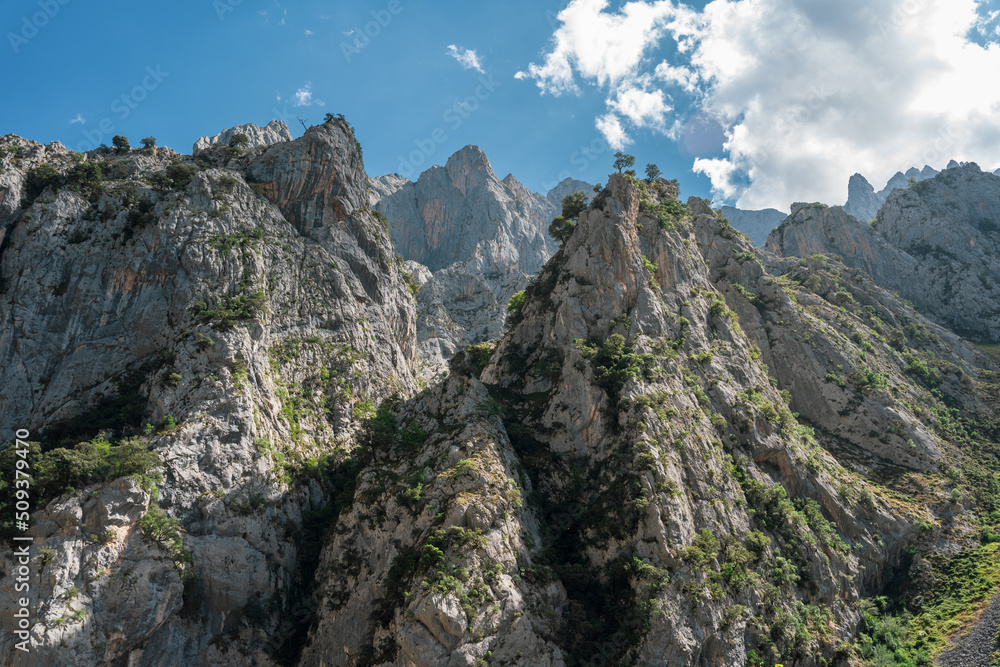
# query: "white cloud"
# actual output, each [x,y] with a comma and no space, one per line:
[613,132]
[309,33]
[79,119]
[304,97]
[810,92]
[467,58]
[721,172]
[684,77]
[602,47]
[644,108]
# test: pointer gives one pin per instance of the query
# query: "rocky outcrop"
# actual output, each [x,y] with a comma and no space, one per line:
[608,480]
[450,211]
[234,464]
[862,202]
[239,321]
[935,243]
[755,224]
[274,132]
[488,236]
[568,186]
[830,230]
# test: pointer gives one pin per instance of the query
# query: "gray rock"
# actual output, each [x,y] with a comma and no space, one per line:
[264,319]
[862,202]
[274,132]
[450,211]
[471,242]
[755,224]
[936,243]
[568,186]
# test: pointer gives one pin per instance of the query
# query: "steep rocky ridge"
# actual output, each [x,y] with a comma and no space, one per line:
[481,239]
[568,186]
[619,479]
[631,407]
[862,200]
[247,313]
[449,211]
[936,243]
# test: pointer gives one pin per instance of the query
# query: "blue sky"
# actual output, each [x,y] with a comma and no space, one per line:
[546,89]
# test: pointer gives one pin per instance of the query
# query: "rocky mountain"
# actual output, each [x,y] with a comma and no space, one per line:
[568,186]
[215,332]
[862,200]
[936,243]
[274,132]
[450,212]
[471,240]
[681,450]
[622,475]
[755,224]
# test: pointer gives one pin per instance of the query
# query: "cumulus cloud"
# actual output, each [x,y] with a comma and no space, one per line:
[303,97]
[644,108]
[467,58]
[808,92]
[613,132]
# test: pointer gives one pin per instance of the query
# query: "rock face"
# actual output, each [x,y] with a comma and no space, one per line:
[233,462]
[568,186]
[249,333]
[473,240]
[274,132]
[936,243]
[830,230]
[755,224]
[451,211]
[862,202]
[586,487]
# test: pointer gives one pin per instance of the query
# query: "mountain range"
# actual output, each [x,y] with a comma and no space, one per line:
[280,412]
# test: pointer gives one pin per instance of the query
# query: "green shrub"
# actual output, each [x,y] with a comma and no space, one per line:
[180,174]
[36,180]
[614,364]
[59,470]
[918,369]
[561,228]
[411,284]
[516,303]
[239,140]
[232,310]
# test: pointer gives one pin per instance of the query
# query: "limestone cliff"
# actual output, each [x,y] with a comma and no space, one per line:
[237,320]
[622,477]
[472,245]
[680,450]
[755,224]
[935,243]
